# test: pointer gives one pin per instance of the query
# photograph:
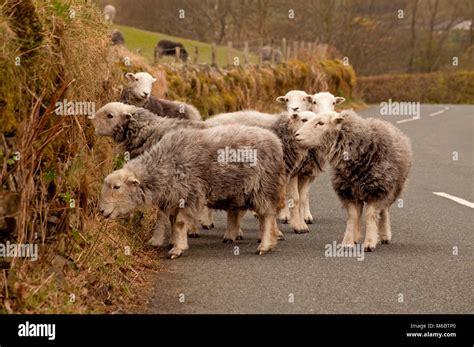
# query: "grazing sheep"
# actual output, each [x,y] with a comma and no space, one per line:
[138,93]
[167,47]
[117,38]
[137,129]
[109,13]
[267,52]
[295,101]
[324,102]
[371,160]
[285,127]
[190,167]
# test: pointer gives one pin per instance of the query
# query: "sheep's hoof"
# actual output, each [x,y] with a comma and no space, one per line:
[369,249]
[301,231]
[174,253]
[280,236]
[385,242]
[239,237]
[263,251]
[193,235]
[228,240]
[283,220]
[309,221]
[208,227]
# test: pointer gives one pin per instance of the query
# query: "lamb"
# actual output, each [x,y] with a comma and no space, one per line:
[109,13]
[285,126]
[371,160]
[137,129]
[138,93]
[187,168]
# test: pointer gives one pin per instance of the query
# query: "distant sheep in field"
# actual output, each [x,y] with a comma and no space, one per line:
[267,52]
[109,13]
[117,37]
[138,93]
[186,170]
[371,160]
[167,47]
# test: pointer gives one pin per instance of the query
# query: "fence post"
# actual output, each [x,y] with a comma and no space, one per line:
[295,49]
[283,49]
[178,50]
[229,53]
[246,53]
[288,53]
[196,55]
[213,55]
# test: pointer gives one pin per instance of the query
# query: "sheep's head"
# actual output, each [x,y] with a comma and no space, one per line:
[295,101]
[324,102]
[121,194]
[298,119]
[111,117]
[321,130]
[140,84]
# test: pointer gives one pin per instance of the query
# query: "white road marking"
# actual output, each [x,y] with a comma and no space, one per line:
[408,120]
[455,198]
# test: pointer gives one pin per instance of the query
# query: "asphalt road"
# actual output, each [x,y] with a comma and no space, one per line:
[417,268]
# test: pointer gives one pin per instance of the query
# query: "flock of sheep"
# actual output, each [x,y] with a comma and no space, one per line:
[177,165]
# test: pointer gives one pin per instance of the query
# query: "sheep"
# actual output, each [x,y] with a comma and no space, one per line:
[295,101]
[285,126]
[117,38]
[109,13]
[268,51]
[137,129]
[324,102]
[167,47]
[187,168]
[371,160]
[138,93]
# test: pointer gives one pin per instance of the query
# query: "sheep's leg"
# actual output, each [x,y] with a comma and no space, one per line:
[269,239]
[159,233]
[183,220]
[304,184]
[352,224]
[284,215]
[193,229]
[277,232]
[360,207]
[371,235]
[207,218]
[296,220]
[233,226]
[240,215]
[385,231]
[173,239]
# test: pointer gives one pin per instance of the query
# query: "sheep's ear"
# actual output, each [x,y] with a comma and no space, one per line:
[132,181]
[153,80]
[338,118]
[340,100]
[129,76]
[281,99]
[308,98]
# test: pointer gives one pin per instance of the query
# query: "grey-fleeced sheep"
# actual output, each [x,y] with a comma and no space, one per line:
[137,130]
[138,93]
[371,160]
[190,167]
[285,126]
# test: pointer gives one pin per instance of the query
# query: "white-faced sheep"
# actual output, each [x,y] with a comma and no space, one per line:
[138,92]
[371,160]
[295,101]
[187,168]
[109,13]
[324,102]
[285,126]
[137,130]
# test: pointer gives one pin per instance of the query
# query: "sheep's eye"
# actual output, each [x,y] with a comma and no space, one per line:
[319,123]
[110,115]
[116,187]
[136,79]
[304,120]
[314,102]
[334,103]
[286,99]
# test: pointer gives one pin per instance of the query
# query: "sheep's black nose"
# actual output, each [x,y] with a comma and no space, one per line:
[146,94]
[296,108]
